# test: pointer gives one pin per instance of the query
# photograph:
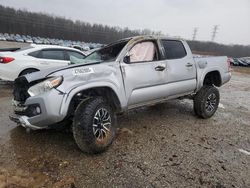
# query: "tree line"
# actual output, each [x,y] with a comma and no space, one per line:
[44,25]
[211,48]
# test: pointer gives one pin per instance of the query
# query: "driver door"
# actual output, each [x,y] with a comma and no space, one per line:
[144,75]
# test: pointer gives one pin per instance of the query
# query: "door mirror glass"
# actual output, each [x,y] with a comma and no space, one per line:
[126,59]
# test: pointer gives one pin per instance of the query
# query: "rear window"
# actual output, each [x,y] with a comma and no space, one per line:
[35,53]
[174,49]
[52,54]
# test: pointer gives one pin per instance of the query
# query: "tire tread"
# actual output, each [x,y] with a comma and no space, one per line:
[82,132]
[200,99]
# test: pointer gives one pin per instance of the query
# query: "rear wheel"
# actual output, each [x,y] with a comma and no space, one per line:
[206,101]
[27,71]
[93,126]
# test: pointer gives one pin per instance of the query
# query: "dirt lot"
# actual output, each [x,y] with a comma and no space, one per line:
[158,146]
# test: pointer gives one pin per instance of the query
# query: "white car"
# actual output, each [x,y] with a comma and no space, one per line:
[34,58]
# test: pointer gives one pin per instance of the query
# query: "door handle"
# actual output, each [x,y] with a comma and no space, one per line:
[189,65]
[44,63]
[160,68]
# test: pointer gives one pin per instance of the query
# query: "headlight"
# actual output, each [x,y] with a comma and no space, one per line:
[45,86]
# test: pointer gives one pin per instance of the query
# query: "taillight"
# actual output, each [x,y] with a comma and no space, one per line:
[6,59]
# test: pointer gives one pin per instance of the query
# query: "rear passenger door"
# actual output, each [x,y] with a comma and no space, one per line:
[181,70]
[52,58]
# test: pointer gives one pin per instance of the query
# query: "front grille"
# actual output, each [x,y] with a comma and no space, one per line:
[20,90]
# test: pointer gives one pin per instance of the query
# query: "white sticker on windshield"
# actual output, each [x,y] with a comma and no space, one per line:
[80,71]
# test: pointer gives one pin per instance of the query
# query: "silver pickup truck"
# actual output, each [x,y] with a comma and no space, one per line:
[126,74]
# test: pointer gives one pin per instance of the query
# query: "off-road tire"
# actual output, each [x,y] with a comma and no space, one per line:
[83,131]
[201,101]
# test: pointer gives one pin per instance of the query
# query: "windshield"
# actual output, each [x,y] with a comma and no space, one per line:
[107,53]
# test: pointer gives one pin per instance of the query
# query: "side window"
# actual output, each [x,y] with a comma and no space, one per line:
[74,54]
[52,54]
[174,49]
[35,53]
[143,51]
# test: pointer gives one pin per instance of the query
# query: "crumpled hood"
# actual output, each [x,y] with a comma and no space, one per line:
[45,73]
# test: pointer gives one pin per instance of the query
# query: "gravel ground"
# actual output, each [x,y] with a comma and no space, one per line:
[158,146]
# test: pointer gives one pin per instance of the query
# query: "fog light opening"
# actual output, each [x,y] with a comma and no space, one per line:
[38,110]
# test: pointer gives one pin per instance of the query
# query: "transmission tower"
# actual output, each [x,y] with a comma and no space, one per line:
[214,33]
[195,33]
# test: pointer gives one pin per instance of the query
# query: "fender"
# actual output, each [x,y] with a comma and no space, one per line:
[201,75]
[68,96]
[28,67]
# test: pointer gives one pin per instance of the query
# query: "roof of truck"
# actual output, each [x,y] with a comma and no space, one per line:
[144,37]
[155,37]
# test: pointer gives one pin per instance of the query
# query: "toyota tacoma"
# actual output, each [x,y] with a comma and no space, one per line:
[123,75]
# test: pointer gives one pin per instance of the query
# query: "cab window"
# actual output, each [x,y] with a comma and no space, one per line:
[143,52]
[174,49]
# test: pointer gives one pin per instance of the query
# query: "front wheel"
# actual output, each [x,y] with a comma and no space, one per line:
[206,101]
[93,126]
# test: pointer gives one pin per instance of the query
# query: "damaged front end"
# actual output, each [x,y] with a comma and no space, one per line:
[34,100]
[20,90]
[21,111]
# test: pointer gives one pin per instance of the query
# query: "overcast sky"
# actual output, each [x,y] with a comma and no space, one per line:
[172,17]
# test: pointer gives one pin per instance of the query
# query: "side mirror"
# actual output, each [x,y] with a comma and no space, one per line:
[126,59]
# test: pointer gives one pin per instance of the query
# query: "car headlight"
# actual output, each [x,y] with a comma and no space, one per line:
[45,86]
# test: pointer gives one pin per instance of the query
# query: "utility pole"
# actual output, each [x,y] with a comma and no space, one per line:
[215,31]
[195,33]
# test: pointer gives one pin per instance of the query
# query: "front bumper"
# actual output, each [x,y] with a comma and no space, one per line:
[49,104]
[23,121]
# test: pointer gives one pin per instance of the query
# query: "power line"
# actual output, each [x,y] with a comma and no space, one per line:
[214,33]
[195,33]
